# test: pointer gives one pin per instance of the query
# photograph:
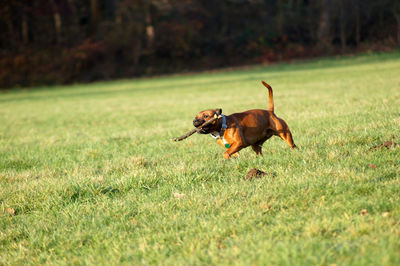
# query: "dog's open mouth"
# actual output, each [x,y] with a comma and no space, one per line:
[205,129]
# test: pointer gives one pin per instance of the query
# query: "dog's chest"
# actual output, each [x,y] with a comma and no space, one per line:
[215,135]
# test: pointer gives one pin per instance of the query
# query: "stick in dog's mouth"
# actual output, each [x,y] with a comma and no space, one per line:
[197,129]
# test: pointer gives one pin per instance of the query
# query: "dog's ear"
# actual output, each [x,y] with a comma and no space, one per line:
[218,111]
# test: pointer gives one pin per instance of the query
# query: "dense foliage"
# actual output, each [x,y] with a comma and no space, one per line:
[62,41]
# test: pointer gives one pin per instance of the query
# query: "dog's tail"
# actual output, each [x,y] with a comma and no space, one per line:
[270,94]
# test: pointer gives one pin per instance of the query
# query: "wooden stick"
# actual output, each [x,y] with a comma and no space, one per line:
[197,129]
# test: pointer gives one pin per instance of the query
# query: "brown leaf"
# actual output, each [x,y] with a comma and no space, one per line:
[371,165]
[364,212]
[10,211]
[265,206]
[389,144]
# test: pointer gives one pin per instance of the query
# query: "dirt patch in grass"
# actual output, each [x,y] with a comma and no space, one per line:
[255,173]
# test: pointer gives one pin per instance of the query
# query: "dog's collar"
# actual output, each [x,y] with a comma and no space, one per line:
[224,126]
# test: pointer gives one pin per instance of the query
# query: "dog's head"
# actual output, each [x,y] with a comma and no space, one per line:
[204,116]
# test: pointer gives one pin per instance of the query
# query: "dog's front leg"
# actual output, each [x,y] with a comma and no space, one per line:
[221,143]
[232,150]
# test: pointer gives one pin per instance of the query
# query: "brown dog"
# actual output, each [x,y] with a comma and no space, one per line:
[249,128]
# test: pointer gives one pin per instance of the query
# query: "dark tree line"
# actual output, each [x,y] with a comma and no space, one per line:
[63,41]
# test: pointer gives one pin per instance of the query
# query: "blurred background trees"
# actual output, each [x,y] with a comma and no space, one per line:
[64,41]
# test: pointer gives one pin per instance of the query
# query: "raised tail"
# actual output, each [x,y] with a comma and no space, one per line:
[271,98]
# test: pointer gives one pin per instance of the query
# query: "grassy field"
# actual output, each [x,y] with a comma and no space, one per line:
[88,174]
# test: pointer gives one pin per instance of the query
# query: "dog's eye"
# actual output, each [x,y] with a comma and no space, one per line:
[206,116]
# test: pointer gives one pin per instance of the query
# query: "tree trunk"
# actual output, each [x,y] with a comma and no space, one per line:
[57,22]
[94,15]
[358,23]
[397,16]
[118,19]
[10,26]
[74,12]
[280,18]
[311,23]
[396,13]
[149,26]
[137,51]
[25,28]
[324,26]
[342,26]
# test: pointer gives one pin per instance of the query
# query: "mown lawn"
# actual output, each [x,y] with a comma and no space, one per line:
[88,174]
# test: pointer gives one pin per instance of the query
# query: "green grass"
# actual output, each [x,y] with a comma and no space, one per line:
[91,173]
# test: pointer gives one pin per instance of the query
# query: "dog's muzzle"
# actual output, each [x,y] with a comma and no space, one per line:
[197,122]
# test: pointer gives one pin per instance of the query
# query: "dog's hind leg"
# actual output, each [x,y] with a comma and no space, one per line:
[257,149]
[287,136]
